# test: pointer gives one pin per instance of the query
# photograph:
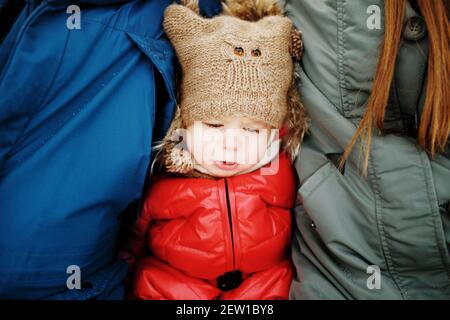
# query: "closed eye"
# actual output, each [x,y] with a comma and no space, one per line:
[213,125]
[251,130]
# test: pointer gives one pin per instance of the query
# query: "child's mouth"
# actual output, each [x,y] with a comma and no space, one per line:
[225,165]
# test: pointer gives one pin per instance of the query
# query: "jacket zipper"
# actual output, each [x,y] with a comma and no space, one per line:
[230,221]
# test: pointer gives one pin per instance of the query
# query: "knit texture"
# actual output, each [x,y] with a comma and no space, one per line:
[232,67]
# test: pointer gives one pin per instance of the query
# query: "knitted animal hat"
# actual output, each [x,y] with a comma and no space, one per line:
[240,63]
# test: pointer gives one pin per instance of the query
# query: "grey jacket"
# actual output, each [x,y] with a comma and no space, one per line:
[395,220]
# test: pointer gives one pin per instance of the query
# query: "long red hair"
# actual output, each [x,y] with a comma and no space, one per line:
[434,128]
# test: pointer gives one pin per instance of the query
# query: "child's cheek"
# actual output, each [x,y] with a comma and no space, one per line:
[195,146]
[262,147]
[202,144]
[248,152]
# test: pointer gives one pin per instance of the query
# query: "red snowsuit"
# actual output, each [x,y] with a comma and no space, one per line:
[199,229]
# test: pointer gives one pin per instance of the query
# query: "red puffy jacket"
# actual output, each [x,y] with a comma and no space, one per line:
[200,230]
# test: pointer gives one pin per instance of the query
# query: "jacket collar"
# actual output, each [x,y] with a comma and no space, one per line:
[276,185]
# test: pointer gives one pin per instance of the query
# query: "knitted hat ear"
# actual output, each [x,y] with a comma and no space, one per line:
[191,4]
[296,47]
[181,23]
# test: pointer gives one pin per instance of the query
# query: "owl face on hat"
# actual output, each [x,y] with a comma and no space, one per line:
[231,67]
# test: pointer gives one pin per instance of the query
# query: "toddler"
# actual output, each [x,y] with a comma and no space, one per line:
[217,216]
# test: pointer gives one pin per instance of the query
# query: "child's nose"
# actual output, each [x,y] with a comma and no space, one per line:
[230,140]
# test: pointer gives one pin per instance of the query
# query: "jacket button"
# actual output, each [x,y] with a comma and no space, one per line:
[230,280]
[415,28]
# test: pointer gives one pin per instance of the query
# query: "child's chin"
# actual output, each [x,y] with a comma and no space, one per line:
[220,173]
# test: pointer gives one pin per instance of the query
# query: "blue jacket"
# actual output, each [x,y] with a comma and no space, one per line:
[78,112]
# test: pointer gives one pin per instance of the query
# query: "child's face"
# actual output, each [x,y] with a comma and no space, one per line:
[228,147]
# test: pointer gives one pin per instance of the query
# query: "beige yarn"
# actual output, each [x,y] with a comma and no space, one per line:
[232,67]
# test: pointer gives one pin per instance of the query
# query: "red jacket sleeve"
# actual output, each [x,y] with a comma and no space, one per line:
[156,280]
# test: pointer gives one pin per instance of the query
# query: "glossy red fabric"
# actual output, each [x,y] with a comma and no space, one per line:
[199,229]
